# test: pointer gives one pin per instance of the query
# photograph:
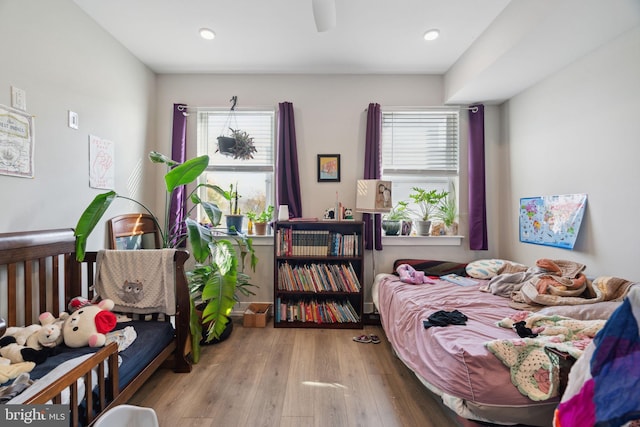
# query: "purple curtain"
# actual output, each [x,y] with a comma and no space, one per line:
[372,171]
[477,191]
[178,207]
[287,176]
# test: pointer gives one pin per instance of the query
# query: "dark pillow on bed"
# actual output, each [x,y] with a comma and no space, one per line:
[432,267]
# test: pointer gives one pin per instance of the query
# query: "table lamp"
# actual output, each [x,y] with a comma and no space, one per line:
[373,196]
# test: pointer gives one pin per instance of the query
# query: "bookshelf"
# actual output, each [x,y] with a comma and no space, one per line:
[318,274]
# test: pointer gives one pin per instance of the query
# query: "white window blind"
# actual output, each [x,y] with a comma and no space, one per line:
[258,124]
[420,142]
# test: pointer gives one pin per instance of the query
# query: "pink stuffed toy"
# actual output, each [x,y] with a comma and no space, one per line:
[410,275]
[88,325]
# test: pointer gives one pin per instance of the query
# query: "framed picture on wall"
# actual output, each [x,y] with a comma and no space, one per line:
[328,167]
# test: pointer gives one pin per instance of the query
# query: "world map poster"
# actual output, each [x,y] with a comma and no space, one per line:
[552,220]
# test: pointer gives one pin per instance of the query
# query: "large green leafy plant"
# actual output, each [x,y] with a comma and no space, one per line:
[217,275]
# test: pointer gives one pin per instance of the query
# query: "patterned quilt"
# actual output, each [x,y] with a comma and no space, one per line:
[534,371]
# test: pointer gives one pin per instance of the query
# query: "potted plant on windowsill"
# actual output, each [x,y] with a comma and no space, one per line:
[448,213]
[428,202]
[234,218]
[217,256]
[261,220]
[392,220]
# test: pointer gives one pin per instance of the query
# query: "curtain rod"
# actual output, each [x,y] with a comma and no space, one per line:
[186,109]
[417,107]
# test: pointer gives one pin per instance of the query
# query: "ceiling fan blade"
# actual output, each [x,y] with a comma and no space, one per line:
[324,13]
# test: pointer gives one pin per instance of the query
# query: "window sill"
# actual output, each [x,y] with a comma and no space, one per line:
[266,240]
[422,240]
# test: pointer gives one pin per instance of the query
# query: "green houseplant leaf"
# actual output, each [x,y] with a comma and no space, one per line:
[89,219]
[219,289]
[186,172]
[199,237]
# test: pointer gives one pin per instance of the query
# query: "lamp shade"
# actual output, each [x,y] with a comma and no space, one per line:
[373,196]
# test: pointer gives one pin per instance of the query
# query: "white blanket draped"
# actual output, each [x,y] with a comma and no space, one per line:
[138,281]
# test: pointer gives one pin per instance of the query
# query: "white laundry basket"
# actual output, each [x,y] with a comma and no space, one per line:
[128,416]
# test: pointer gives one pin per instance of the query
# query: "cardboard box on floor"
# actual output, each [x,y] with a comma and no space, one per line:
[256,315]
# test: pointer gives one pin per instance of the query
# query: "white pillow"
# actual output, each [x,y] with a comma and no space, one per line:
[484,268]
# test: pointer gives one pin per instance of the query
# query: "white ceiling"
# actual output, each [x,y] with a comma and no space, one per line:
[488,50]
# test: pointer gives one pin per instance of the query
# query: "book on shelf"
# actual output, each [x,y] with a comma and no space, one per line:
[314,311]
[318,277]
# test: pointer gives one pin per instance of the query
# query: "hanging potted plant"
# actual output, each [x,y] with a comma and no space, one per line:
[238,144]
[226,145]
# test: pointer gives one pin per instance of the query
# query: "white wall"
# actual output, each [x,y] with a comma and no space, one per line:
[64,61]
[577,132]
[330,118]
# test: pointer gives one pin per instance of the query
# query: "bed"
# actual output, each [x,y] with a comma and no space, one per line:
[454,360]
[38,273]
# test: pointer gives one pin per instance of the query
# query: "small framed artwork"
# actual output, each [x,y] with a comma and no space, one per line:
[328,167]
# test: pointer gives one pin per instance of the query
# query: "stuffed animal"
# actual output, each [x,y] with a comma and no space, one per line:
[408,274]
[88,325]
[17,353]
[28,344]
[21,334]
[51,333]
[77,303]
[48,334]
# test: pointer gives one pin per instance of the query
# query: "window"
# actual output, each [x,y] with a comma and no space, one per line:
[420,149]
[254,178]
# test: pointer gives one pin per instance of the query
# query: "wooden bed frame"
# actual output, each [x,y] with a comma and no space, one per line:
[38,273]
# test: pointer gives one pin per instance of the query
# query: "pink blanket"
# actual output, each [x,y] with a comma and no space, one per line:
[453,358]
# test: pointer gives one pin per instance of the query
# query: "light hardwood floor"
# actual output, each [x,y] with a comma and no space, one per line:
[294,377]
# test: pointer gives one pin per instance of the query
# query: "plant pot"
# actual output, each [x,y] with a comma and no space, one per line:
[226,145]
[205,328]
[405,229]
[234,224]
[391,227]
[423,227]
[260,228]
[451,230]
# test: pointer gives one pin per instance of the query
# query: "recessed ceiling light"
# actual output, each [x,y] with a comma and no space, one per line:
[207,34]
[431,34]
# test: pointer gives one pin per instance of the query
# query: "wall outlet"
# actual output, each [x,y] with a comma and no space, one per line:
[18,99]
